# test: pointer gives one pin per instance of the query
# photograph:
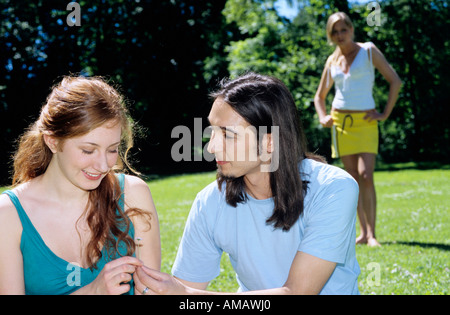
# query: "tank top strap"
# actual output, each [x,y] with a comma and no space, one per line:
[121,179]
[328,75]
[369,51]
[368,47]
[24,219]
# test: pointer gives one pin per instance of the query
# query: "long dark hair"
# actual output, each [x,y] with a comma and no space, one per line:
[265,101]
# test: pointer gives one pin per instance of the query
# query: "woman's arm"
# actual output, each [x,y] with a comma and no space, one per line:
[11,262]
[115,276]
[319,100]
[138,195]
[395,84]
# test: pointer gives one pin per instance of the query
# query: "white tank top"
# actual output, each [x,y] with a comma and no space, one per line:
[354,89]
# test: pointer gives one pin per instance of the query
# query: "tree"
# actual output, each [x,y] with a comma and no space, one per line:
[296,53]
[154,50]
[409,38]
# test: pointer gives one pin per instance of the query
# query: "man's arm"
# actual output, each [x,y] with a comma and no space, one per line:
[308,275]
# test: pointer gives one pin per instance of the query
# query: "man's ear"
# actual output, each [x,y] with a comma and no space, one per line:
[51,142]
[271,150]
[268,143]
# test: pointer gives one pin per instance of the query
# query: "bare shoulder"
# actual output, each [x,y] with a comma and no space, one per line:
[137,193]
[135,186]
[9,219]
[134,182]
[7,208]
[376,52]
[11,260]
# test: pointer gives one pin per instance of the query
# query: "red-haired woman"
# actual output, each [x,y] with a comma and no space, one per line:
[70,221]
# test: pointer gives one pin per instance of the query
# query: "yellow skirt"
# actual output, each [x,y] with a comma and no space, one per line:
[352,134]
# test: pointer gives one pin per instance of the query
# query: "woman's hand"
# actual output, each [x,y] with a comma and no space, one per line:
[326,121]
[374,115]
[150,281]
[114,278]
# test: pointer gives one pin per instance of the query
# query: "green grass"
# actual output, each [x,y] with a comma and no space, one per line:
[413,225]
[173,197]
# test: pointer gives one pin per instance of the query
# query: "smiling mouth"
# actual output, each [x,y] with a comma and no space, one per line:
[92,176]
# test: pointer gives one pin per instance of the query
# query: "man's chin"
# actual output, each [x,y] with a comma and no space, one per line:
[225,175]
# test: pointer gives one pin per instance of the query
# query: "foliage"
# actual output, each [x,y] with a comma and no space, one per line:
[153,49]
[409,39]
[168,55]
[295,51]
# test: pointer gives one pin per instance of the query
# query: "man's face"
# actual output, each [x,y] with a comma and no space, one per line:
[233,142]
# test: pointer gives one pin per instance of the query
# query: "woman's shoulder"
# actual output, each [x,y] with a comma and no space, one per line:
[11,196]
[137,193]
[366,45]
[135,187]
[9,218]
[6,205]
[134,182]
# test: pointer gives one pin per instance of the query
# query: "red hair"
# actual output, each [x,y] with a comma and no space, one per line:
[76,106]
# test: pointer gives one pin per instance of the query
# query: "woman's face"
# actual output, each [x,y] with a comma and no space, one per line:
[341,33]
[85,160]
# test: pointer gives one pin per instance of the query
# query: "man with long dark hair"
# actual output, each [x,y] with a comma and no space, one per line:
[286,218]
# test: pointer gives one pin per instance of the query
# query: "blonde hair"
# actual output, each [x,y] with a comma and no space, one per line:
[332,20]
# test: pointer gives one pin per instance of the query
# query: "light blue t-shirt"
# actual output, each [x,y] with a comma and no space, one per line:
[261,255]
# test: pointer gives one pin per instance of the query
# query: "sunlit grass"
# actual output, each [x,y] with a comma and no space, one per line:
[413,226]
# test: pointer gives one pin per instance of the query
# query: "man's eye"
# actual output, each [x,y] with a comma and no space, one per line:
[229,135]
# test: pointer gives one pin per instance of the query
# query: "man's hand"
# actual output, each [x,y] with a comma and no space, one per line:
[150,281]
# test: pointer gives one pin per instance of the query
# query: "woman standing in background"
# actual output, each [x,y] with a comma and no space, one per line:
[353,117]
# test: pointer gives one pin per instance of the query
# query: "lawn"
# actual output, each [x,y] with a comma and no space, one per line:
[413,225]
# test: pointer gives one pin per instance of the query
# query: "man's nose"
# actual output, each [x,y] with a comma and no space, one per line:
[216,146]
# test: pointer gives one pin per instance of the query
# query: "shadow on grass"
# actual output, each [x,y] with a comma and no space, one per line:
[381,166]
[411,166]
[444,247]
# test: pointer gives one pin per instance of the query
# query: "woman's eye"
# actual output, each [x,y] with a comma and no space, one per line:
[87,152]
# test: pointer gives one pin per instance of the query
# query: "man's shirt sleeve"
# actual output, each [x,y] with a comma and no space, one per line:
[330,220]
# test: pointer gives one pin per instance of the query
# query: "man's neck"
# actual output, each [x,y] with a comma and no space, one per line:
[258,185]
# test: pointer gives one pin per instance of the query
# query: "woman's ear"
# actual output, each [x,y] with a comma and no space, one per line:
[52,143]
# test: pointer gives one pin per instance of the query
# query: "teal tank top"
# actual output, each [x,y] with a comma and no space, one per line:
[47,274]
